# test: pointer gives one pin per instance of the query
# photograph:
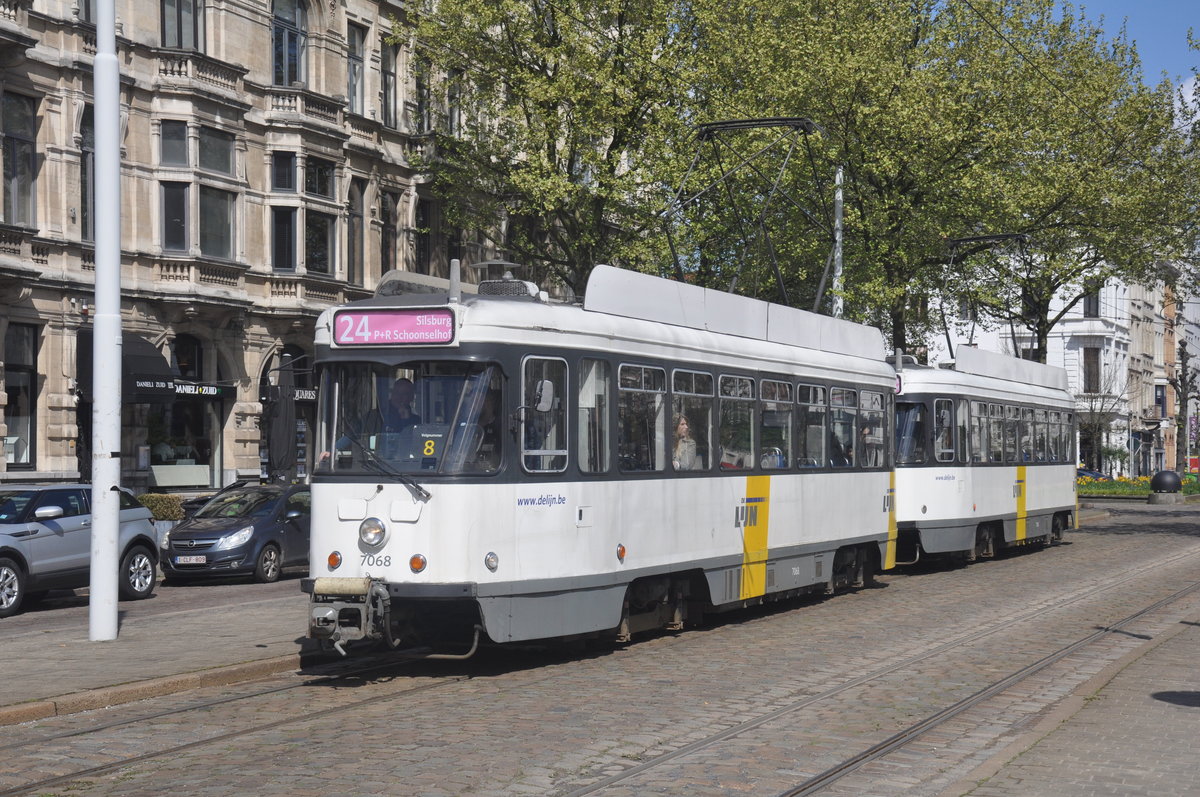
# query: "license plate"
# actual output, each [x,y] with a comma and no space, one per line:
[191,560]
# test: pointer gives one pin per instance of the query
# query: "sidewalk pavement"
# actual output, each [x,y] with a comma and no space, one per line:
[1128,730]
[58,670]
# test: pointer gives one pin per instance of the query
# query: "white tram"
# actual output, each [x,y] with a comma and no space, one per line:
[985,456]
[502,463]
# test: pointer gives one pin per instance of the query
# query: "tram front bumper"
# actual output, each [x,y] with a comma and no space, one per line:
[341,609]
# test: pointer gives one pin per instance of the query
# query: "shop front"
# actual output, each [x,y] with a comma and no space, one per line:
[170,424]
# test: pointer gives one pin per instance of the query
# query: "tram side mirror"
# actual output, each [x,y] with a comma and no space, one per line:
[543,398]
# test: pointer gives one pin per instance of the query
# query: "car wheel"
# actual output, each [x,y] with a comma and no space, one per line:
[267,569]
[12,587]
[137,574]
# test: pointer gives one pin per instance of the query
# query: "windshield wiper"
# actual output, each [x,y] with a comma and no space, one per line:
[382,466]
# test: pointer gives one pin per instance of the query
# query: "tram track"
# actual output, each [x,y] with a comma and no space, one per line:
[831,775]
[916,730]
[211,740]
[900,739]
[321,680]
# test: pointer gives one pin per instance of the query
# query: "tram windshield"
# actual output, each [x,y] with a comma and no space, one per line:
[427,417]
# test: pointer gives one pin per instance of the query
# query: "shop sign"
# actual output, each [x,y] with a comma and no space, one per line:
[188,389]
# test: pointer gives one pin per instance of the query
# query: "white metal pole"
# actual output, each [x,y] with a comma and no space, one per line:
[837,246]
[106,340]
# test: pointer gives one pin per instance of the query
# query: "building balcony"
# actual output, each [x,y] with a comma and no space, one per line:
[14,42]
[288,291]
[184,69]
[298,104]
[187,273]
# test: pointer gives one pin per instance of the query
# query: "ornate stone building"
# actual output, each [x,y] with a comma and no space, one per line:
[267,172]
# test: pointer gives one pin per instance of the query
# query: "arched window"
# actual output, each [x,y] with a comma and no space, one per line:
[289,30]
[188,354]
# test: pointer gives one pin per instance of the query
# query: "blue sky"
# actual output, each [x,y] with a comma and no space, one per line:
[1159,27]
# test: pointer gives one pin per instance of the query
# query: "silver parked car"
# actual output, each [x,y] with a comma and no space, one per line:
[46,543]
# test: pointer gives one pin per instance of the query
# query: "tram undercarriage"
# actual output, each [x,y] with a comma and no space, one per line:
[347,610]
[981,541]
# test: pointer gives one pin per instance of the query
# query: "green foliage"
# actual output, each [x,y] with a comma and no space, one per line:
[953,122]
[563,112]
[163,506]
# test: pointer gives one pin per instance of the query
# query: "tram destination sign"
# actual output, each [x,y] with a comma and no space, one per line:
[393,327]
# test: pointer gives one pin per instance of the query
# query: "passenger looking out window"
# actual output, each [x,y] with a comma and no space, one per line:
[692,402]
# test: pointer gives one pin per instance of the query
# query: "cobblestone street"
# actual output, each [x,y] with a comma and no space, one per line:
[758,702]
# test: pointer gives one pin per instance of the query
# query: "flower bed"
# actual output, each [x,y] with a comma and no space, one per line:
[1122,486]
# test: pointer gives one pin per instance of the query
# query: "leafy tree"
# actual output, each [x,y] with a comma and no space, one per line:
[1101,188]
[565,105]
[958,120]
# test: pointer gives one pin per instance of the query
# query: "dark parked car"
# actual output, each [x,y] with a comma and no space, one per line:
[193,505]
[256,529]
[1082,473]
[46,543]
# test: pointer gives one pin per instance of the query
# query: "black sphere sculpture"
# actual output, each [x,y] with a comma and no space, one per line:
[1166,481]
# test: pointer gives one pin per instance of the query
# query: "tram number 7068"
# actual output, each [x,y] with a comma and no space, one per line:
[372,560]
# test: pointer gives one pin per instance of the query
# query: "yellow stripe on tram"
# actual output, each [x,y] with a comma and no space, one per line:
[889,559]
[754,536]
[1022,513]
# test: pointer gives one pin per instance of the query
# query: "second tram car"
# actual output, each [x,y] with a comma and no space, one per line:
[534,470]
[985,456]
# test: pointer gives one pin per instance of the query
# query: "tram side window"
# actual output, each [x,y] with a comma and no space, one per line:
[811,411]
[871,431]
[544,433]
[1069,452]
[1025,435]
[1053,436]
[943,430]
[964,433]
[910,433]
[980,444]
[692,407]
[595,390]
[1039,435]
[641,409]
[1012,424]
[1061,431]
[737,422]
[843,412]
[995,433]
[775,424]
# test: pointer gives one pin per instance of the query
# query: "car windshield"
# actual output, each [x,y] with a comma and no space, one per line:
[240,503]
[422,418]
[13,504]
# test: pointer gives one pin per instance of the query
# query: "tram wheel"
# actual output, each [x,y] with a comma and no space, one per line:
[1057,525]
[985,543]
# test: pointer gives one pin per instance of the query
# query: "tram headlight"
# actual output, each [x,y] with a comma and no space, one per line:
[491,561]
[372,532]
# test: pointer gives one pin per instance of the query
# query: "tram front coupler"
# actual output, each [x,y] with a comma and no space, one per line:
[343,610]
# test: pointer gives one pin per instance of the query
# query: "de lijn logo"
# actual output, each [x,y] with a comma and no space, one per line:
[745,514]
